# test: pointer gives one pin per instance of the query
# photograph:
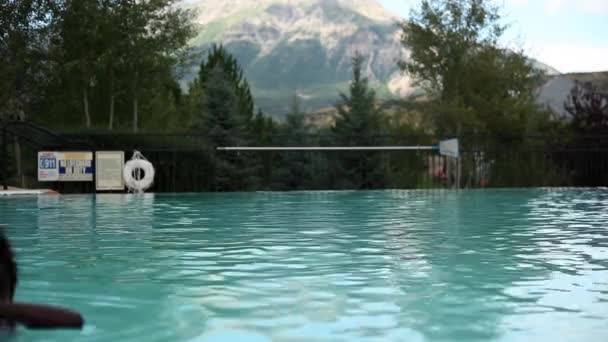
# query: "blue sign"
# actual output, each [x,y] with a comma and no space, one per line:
[48,163]
[65,166]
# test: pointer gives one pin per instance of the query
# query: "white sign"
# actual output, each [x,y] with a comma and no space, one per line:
[48,168]
[65,166]
[449,148]
[109,166]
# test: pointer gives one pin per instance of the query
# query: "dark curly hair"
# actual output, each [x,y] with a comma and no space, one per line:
[8,268]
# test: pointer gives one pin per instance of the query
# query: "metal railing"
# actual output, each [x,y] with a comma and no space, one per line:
[190,162]
[26,137]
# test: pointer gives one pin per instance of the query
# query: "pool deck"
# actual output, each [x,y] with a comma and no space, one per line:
[20,192]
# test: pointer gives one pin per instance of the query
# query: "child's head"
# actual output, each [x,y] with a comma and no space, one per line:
[8,271]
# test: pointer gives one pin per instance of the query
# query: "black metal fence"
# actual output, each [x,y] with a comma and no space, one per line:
[189,163]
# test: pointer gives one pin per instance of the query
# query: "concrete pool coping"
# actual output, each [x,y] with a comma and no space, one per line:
[20,192]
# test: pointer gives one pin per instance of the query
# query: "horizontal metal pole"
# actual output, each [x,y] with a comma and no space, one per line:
[328,148]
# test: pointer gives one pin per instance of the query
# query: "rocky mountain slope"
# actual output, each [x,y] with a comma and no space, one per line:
[304,47]
[555,91]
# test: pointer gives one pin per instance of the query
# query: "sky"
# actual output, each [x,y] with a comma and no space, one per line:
[568,35]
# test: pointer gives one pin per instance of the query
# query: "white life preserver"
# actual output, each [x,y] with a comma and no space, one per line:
[138,185]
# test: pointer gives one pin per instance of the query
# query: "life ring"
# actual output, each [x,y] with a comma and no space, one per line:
[131,182]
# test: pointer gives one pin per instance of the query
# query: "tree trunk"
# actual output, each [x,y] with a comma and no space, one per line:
[111,121]
[112,98]
[20,117]
[135,118]
[85,100]
[134,90]
[18,162]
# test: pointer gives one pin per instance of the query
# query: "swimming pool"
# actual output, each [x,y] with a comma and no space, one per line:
[512,265]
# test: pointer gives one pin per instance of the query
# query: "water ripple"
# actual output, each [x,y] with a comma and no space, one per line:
[318,266]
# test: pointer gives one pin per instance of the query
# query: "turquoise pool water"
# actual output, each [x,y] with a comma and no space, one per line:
[517,265]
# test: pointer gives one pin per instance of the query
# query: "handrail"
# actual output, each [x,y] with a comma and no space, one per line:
[61,141]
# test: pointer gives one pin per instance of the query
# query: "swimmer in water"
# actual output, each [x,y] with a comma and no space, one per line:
[33,316]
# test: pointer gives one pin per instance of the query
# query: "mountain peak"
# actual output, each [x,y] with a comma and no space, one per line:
[213,10]
[304,47]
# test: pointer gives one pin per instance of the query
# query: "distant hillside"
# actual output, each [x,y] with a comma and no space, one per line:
[553,94]
[305,47]
[555,91]
[326,117]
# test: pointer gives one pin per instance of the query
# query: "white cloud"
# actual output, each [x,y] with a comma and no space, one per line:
[586,6]
[516,2]
[573,57]
[594,6]
[552,6]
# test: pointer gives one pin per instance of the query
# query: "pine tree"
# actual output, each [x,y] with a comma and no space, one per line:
[295,170]
[358,124]
[219,57]
[222,107]
[219,119]
[264,164]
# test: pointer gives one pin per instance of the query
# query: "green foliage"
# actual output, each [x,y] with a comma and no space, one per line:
[26,27]
[219,58]
[295,168]
[264,165]
[220,110]
[295,125]
[106,61]
[101,64]
[358,119]
[475,85]
[589,109]
[221,107]
[220,122]
[444,35]
[157,31]
[585,135]
[358,124]
[81,47]
[408,169]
